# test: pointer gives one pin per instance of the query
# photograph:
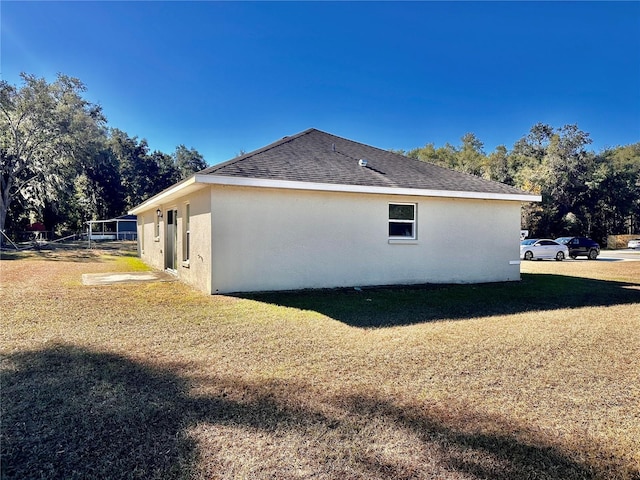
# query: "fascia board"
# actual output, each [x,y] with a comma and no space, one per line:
[330,187]
[189,185]
[198,181]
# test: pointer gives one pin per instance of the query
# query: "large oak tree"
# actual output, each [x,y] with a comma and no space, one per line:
[44,129]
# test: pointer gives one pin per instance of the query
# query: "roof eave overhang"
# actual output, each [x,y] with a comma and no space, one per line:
[331,187]
[178,190]
[199,181]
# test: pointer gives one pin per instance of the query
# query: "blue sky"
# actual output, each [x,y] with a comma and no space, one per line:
[228,76]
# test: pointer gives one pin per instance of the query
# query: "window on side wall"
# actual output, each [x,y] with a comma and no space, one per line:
[156,228]
[402,221]
[186,240]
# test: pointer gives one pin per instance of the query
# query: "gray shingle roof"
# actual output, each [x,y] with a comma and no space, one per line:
[319,157]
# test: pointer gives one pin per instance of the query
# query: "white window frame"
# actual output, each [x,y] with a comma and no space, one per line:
[186,235]
[413,223]
[156,227]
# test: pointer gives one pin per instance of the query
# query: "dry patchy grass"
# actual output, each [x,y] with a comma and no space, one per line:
[537,379]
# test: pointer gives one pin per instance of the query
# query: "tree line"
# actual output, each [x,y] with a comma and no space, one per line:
[584,193]
[62,165]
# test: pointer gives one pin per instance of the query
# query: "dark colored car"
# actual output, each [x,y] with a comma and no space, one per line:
[581,246]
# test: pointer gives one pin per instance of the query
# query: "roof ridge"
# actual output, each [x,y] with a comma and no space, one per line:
[271,146]
[360,143]
[308,158]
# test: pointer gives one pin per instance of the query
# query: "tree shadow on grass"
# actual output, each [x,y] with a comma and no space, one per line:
[393,306]
[77,252]
[73,413]
[475,455]
[73,256]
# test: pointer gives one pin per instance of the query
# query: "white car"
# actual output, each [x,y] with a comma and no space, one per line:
[543,248]
[635,243]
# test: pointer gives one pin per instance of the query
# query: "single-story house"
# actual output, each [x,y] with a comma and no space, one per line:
[315,210]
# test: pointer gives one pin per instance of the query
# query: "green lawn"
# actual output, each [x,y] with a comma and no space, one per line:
[533,379]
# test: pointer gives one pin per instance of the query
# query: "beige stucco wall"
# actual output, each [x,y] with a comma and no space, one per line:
[197,271]
[270,239]
[149,246]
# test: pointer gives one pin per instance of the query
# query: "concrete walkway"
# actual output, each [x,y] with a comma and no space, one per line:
[126,277]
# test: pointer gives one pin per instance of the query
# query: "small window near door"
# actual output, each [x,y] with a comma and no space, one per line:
[186,240]
[402,221]
[156,227]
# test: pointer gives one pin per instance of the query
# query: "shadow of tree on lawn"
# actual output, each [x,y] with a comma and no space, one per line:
[393,306]
[77,252]
[75,256]
[73,413]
